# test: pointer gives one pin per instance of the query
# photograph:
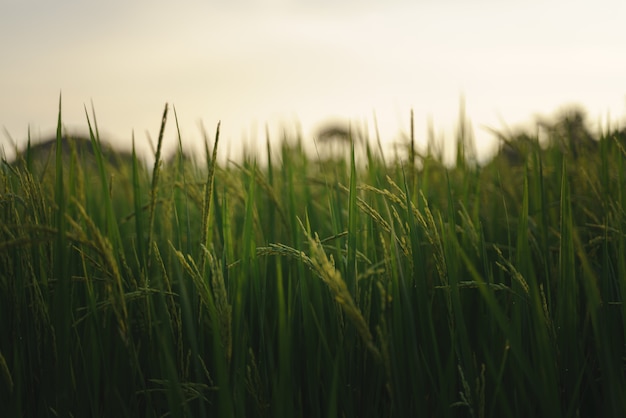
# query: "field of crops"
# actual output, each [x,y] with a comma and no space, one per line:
[353,286]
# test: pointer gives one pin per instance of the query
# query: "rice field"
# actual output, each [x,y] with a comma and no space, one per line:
[354,286]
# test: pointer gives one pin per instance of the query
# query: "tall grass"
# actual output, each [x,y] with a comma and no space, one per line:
[315,287]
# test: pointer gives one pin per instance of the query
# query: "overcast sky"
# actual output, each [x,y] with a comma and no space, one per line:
[248,63]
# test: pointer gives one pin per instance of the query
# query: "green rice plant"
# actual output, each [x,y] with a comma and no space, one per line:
[312,287]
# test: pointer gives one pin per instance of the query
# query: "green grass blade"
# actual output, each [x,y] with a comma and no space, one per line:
[154,185]
[62,295]
[351,270]
[207,226]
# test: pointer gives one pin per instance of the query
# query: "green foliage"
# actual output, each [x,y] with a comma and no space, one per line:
[315,288]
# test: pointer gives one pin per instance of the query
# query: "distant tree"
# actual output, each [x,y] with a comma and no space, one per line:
[569,132]
[333,133]
[337,133]
[41,156]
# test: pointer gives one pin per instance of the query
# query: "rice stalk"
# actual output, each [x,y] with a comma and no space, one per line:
[325,269]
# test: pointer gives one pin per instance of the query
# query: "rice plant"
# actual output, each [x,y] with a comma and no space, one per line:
[315,287]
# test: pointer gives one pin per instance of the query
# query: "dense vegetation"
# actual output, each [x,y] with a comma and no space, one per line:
[313,287]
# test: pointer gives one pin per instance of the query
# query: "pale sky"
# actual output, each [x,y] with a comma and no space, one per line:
[281,62]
